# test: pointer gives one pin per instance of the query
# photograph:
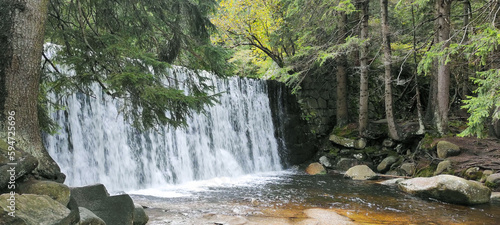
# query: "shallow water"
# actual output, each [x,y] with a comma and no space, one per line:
[285,195]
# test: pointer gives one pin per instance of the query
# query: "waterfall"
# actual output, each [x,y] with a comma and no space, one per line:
[233,138]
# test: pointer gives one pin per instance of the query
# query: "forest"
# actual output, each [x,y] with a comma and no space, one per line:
[435,61]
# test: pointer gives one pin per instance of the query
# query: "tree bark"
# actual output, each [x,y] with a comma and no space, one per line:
[386,46]
[23,27]
[342,111]
[363,58]
[443,76]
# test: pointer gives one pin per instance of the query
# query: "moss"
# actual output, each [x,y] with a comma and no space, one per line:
[427,171]
[426,142]
[491,185]
[345,131]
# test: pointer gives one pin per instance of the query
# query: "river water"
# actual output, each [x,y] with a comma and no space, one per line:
[284,198]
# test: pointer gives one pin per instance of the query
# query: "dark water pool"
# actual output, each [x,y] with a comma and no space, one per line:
[365,202]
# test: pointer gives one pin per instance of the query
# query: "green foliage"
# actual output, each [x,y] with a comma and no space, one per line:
[427,171]
[126,47]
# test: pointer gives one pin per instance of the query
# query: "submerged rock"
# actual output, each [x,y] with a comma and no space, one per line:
[446,149]
[33,210]
[447,188]
[360,172]
[315,168]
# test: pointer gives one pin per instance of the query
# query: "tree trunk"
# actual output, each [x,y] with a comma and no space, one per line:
[22,26]
[342,112]
[363,58]
[421,129]
[443,76]
[386,46]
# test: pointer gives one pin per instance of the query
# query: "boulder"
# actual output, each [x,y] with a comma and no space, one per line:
[446,149]
[443,166]
[315,168]
[34,210]
[140,217]
[345,163]
[25,164]
[447,188]
[409,168]
[495,197]
[56,191]
[347,142]
[87,217]
[473,173]
[75,212]
[118,209]
[485,175]
[494,178]
[360,172]
[325,161]
[386,163]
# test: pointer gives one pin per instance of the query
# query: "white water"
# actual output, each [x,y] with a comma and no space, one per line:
[234,138]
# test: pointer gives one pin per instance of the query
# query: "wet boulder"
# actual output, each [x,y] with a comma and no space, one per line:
[494,179]
[495,197]
[33,209]
[360,172]
[348,142]
[315,168]
[446,149]
[447,188]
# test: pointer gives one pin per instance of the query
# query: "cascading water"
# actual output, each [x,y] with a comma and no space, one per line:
[233,138]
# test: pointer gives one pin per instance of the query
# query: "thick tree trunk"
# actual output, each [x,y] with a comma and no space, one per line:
[443,76]
[363,58]
[386,45]
[421,129]
[23,26]
[342,112]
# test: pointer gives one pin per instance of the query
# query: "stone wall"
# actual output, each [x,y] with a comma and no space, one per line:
[296,142]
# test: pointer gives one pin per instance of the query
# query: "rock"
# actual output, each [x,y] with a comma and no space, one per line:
[347,142]
[409,168]
[325,161]
[443,166]
[87,217]
[26,163]
[360,172]
[140,217]
[447,188]
[386,163]
[345,163]
[396,172]
[118,209]
[494,178]
[315,168]
[34,210]
[473,173]
[495,197]
[485,175]
[391,182]
[75,212]
[56,191]
[446,149]
[388,143]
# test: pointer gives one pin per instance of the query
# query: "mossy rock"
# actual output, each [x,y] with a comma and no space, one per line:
[427,171]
